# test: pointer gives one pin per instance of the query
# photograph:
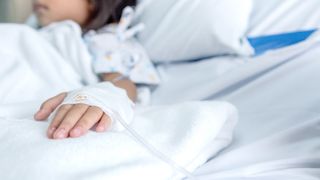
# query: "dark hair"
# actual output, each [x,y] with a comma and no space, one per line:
[106,12]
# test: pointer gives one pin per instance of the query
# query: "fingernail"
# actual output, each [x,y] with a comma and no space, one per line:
[100,129]
[76,132]
[51,130]
[37,113]
[40,111]
[60,134]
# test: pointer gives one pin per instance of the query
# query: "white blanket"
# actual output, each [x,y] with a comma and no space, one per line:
[39,65]
[188,134]
[34,68]
[277,95]
[274,16]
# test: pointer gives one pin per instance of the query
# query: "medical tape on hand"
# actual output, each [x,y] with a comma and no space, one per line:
[108,98]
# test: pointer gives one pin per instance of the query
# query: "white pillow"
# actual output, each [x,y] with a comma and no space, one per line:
[191,29]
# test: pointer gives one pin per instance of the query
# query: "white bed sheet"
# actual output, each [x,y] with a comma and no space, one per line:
[275,16]
[277,94]
[34,69]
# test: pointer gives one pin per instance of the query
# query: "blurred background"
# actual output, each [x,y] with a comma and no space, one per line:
[267,16]
[15,10]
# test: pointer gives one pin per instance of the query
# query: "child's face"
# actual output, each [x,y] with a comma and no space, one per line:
[49,11]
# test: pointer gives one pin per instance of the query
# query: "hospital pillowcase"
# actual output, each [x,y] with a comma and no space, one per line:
[190,29]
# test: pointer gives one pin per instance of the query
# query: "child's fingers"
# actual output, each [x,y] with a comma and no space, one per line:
[62,111]
[104,123]
[69,120]
[49,106]
[90,118]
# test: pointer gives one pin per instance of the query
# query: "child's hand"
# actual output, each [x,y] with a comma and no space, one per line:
[71,120]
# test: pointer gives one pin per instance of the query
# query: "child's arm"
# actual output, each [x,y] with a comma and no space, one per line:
[124,83]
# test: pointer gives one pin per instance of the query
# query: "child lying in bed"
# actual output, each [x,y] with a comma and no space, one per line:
[117,65]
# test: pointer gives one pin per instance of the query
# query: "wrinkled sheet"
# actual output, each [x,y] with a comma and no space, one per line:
[274,16]
[277,94]
[187,134]
[169,140]
[37,65]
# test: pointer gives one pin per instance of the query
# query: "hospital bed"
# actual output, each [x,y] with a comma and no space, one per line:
[276,94]
[278,135]
[278,132]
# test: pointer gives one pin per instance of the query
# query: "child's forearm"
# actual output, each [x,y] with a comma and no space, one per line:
[125,84]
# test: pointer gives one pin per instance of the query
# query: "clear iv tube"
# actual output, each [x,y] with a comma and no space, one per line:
[153,150]
[149,147]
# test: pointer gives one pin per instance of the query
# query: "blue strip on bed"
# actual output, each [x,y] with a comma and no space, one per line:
[262,44]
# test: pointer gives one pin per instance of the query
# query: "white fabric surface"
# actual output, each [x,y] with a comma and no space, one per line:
[188,133]
[179,30]
[277,95]
[66,38]
[35,68]
[274,16]
[59,62]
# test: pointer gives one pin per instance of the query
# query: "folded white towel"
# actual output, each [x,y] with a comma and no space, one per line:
[187,134]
